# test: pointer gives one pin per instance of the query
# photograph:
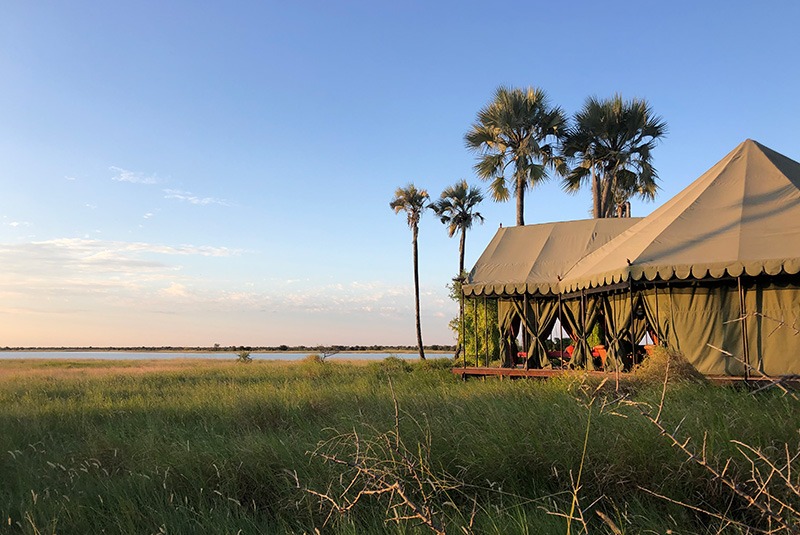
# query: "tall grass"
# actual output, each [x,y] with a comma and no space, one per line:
[216,447]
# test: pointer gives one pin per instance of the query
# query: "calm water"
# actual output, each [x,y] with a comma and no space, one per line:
[221,355]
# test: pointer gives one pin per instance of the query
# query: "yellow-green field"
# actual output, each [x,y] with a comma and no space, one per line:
[220,447]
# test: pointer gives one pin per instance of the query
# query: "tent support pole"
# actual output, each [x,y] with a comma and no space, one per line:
[630,325]
[743,316]
[525,338]
[658,318]
[671,309]
[589,364]
[486,328]
[560,331]
[461,333]
[475,328]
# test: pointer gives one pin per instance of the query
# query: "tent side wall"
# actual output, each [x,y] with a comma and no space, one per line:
[773,326]
[705,321]
[697,322]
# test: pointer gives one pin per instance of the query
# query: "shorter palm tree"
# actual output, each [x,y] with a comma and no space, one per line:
[455,209]
[413,202]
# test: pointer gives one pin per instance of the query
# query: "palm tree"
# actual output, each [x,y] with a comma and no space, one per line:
[412,201]
[517,129]
[612,141]
[455,209]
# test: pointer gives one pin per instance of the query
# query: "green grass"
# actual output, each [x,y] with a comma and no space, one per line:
[214,447]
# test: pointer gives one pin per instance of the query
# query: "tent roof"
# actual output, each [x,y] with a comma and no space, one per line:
[531,258]
[742,216]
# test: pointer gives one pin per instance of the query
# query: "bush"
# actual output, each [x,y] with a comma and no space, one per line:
[654,367]
[393,365]
[244,357]
[313,359]
[435,364]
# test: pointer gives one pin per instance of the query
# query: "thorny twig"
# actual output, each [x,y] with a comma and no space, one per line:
[778,382]
[701,510]
[761,500]
[384,467]
[780,323]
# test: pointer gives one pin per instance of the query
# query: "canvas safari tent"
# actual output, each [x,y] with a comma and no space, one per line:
[523,266]
[712,274]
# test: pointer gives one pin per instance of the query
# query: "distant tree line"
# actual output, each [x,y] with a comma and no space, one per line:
[228,349]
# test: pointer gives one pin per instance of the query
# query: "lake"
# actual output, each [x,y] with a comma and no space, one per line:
[220,355]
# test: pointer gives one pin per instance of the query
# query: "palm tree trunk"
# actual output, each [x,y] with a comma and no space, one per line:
[461,345]
[606,206]
[461,243]
[596,209]
[520,201]
[415,231]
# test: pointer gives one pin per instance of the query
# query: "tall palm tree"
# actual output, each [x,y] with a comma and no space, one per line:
[519,130]
[455,208]
[612,142]
[413,201]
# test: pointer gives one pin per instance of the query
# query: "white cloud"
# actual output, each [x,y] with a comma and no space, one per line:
[187,196]
[175,289]
[16,224]
[148,215]
[123,175]
[70,178]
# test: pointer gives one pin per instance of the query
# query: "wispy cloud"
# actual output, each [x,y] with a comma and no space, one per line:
[127,283]
[90,258]
[187,196]
[79,246]
[72,270]
[123,175]
[16,224]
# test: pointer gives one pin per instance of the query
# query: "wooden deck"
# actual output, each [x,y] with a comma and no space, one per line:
[474,371]
[537,373]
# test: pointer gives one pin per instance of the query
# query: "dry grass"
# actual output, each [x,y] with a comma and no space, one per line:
[18,369]
[654,368]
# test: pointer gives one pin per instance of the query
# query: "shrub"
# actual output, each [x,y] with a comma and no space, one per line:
[435,364]
[393,365]
[313,359]
[654,367]
[244,357]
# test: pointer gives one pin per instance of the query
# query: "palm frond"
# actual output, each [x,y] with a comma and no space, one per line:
[619,136]
[410,200]
[517,129]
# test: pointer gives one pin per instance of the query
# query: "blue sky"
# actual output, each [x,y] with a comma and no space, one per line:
[191,173]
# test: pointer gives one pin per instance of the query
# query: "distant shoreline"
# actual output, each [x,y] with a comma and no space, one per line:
[230,349]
